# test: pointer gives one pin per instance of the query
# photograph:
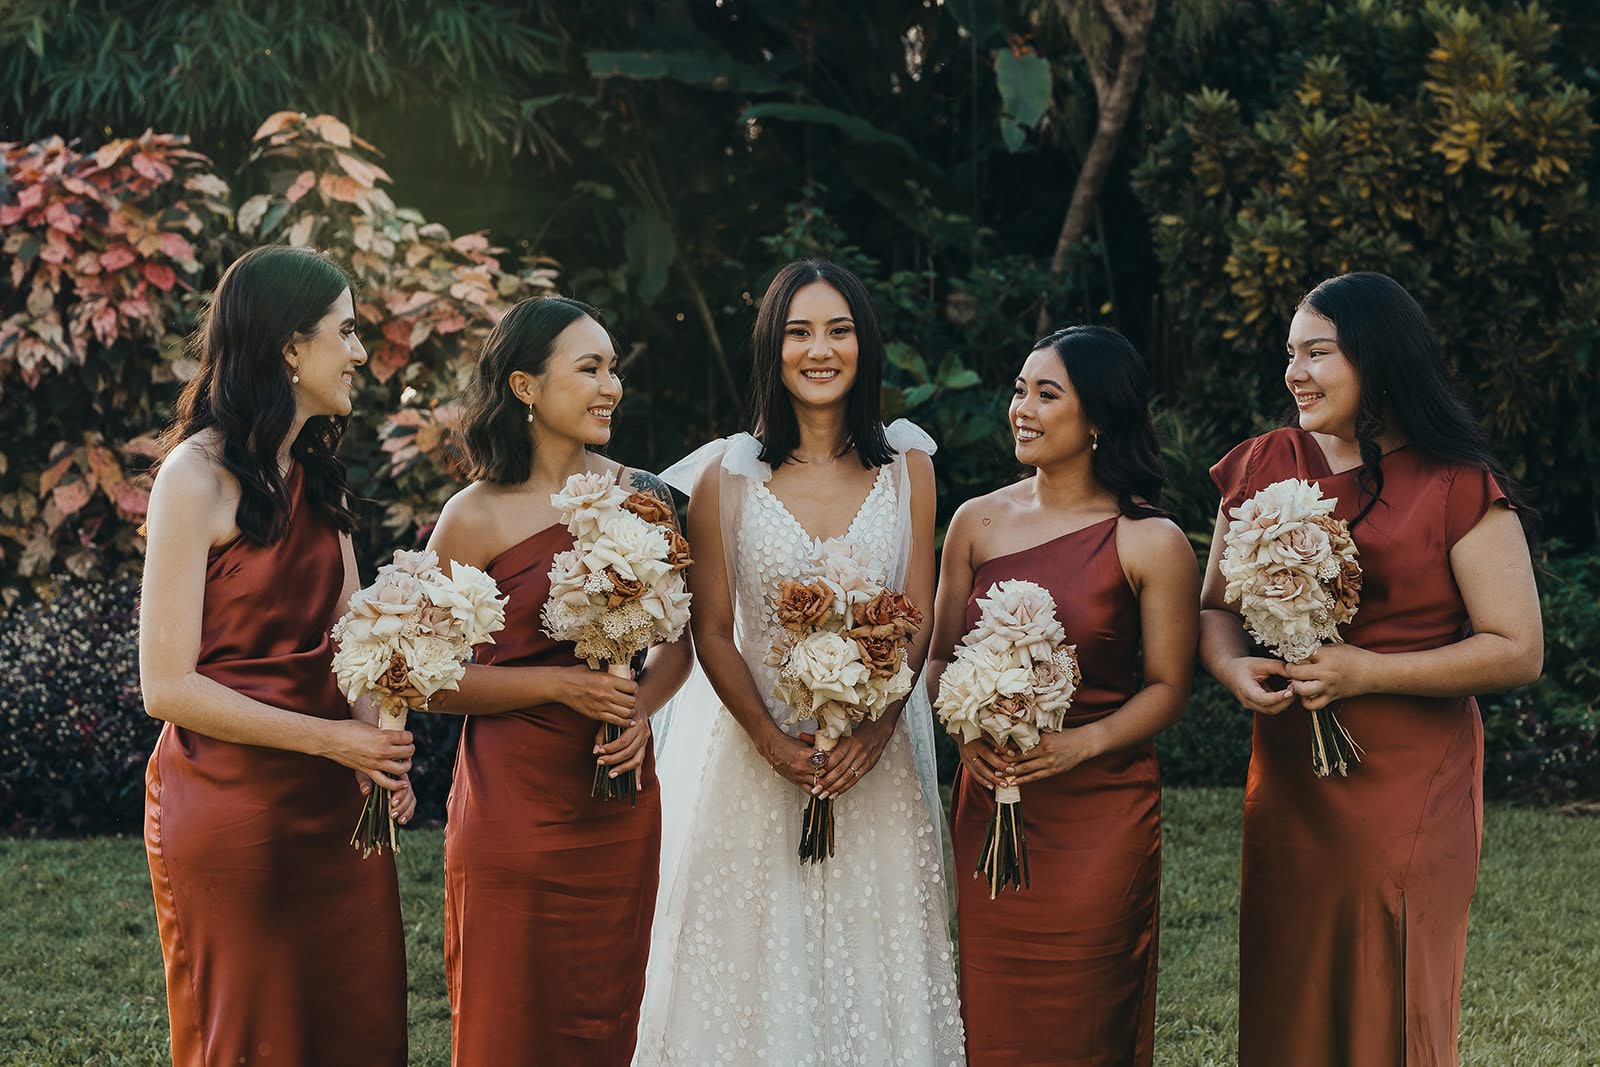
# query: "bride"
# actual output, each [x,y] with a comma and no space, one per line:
[757,957]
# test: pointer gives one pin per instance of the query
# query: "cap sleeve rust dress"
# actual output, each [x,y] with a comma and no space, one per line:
[282,945]
[1354,894]
[1078,946]
[549,893]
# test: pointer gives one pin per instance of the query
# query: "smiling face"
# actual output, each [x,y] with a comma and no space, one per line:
[1320,377]
[578,390]
[326,360]
[1047,422]
[820,348]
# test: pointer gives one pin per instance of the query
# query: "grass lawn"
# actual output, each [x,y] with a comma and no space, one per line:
[80,967]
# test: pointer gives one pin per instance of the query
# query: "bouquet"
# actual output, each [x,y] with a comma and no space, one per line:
[841,659]
[1013,678]
[619,590]
[407,636]
[1292,569]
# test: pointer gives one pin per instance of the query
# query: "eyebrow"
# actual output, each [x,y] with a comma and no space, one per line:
[1316,341]
[807,322]
[1042,381]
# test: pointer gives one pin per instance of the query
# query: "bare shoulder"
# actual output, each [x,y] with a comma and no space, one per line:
[1153,545]
[191,474]
[468,524]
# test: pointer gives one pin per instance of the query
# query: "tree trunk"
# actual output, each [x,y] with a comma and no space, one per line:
[1115,97]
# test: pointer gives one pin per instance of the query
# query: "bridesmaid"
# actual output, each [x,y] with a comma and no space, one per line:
[549,893]
[1078,947]
[1353,905]
[281,944]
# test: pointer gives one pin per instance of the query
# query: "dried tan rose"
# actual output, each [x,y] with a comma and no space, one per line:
[892,611]
[678,551]
[623,589]
[882,654]
[650,508]
[1012,707]
[804,604]
[398,675]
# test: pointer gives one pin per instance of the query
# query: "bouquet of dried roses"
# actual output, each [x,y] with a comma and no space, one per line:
[619,590]
[1292,568]
[1013,678]
[841,659]
[405,637]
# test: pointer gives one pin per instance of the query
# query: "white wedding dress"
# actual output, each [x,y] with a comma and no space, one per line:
[757,958]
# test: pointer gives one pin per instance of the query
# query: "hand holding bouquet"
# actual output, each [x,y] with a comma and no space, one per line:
[619,590]
[1292,568]
[405,637]
[841,660]
[1013,678]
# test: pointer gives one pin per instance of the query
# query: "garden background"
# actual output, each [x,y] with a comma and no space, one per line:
[1183,171]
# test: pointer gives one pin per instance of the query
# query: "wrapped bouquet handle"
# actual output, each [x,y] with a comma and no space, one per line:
[606,787]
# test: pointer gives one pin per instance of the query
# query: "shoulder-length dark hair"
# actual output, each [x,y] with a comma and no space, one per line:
[494,423]
[772,418]
[242,390]
[1405,385]
[1108,375]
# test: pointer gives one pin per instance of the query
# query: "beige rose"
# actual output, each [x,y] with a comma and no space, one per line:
[623,589]
[882,655]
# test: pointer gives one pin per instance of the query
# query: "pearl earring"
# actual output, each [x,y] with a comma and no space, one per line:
[530,412]
[1094,440]
[295,379]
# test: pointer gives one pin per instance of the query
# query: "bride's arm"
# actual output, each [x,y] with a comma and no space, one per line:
[711,623]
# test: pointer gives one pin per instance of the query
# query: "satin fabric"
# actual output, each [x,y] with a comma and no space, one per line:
[549,893]
[281,944]
[1064,971]
[1354,891]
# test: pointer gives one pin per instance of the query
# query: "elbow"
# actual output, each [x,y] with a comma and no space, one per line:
[157,700]
[1529,664]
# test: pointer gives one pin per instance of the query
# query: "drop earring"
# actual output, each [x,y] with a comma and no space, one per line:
[294,379]
[530,412]
[1094,440]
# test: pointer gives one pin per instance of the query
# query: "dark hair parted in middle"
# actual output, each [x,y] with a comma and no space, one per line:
[1108,375]
[494,423]
[772,419]
[1405,385]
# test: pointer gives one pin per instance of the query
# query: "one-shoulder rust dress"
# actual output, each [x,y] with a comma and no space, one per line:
[282,945]
[1064,972]
[1354,893]
[549,892]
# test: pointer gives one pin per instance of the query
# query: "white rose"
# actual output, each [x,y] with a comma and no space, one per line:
[634,547]
[587,500]
[830,667]
[473,600]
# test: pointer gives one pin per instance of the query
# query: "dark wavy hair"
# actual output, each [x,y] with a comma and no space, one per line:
[1108,375]
[242,389]
[494,423]
[772,418]
[1405,384]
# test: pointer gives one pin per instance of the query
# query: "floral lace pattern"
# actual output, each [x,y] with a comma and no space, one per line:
[846,962]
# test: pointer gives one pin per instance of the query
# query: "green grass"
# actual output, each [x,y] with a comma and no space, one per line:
[80,967]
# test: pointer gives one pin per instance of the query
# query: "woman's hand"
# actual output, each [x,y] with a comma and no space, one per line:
[791,758]
[1246,677]
[855,754]
[1333,673]
[384,756]
[626,753]
[1057,752]
[601,696]
[985,762]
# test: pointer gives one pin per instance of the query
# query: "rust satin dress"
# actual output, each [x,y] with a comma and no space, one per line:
[1064,972]
[549,893]
[282,945]
[1354,891]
